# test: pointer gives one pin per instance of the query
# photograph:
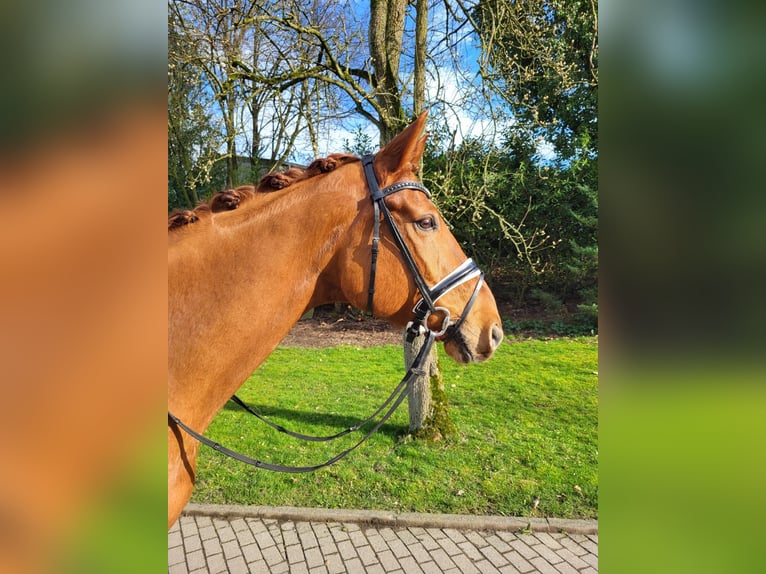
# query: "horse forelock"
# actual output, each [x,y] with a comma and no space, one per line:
[231,199]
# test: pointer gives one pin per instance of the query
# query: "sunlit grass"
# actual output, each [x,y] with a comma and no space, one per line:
[527,427]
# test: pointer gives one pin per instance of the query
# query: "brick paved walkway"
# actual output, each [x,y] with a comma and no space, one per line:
[199,544]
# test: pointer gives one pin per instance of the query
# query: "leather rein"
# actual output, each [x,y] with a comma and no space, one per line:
[424,308]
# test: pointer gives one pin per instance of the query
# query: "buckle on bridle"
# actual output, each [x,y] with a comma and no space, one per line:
[446,322]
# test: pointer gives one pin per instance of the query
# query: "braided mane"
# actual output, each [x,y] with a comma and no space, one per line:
[231,199]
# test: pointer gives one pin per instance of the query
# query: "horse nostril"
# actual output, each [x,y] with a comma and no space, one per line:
[497,336]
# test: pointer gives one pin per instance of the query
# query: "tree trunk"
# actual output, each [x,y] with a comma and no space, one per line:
[421,29]
[385,40]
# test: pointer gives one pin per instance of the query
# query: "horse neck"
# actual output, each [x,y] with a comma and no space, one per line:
[236,288]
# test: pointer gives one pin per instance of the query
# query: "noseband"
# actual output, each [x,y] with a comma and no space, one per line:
[426,306]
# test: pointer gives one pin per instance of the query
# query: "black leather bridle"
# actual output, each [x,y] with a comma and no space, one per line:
[426,306]
[423,309]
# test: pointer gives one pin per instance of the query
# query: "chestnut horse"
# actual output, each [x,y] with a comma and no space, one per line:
[239,280]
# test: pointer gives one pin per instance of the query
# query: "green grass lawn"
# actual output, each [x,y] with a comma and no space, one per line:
[527,427]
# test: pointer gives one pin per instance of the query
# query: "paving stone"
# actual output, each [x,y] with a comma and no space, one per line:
[216,564]
[455,535]
[430,568]
[449,546]
[334,564]
[442,559]
[398,548]
[591,559]
[588,571]
[203,521]
[357,537]
[519,562]
[410,565]
[258,566]
[470,550]
[486,567]
[375,569]
[175,538]
[346,549]
[252,553]
[192,543]
[494,556]
[547,553]
[507,536]
[354,566]
[406,537]
[477,539]
[528,539]
[308,538]
[319,570]
[388,561]
[314,557]
[565,568]
[328,546]
[419,552]
[573,546]
[548,540]
[178,569]
[523,549]
[590,546]
[294,554]
[376,541]
[436,533]
[264,539]
[231,549]
[271,555]
[417,531]
[428,542]
[212,546]
[367,555]
[388,534]
[196,560]
[237,565]
[498,544]
[572,559]
[339,534]
[244,537]
[207,532]
[176,555]
[543,566]
[509,569]
[320,529]
[290,537]
[226,534]
[465,564]
[256,525]
[188,525]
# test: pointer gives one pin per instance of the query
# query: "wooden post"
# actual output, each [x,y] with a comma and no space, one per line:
[429,416]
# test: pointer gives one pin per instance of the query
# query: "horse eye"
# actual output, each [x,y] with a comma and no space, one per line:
[426,223]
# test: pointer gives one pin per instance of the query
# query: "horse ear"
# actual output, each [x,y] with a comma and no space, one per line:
[405,150]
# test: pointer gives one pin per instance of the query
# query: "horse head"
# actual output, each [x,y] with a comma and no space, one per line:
[456,303]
